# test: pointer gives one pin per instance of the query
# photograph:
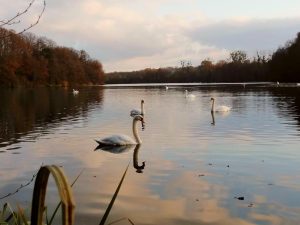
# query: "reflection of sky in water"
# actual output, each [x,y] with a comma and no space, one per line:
[193,169]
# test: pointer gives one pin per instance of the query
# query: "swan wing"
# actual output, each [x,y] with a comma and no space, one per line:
[116,140]
[135,112]
[222,108]
[190,96]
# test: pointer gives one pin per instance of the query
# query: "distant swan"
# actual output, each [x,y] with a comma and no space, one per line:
[167,87]
[75,92]
[136,112]
[187,95]
[119,140]
[220,108]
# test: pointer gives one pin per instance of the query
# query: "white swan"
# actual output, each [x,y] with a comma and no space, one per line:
[136,112]
[120,140]
[220,108]
[75,92]
[167,87]
[190,96]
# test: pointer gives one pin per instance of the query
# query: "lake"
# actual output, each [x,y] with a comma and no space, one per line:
[240,167]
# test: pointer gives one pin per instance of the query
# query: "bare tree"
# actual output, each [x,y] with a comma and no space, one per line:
[238,56]
[16,19]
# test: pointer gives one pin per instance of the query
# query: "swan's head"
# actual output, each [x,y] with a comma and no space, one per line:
[140,118]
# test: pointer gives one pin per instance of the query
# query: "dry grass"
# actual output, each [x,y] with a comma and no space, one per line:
[38,208]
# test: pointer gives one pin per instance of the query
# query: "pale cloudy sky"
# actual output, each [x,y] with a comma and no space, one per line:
[130,35]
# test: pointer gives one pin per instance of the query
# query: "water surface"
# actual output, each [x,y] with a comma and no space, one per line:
[197,165]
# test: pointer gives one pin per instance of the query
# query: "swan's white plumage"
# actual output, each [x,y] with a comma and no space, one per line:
[75,92]
[135,112]
[222,108]
[121,139]
[190,96]
[118,139]
[219,108]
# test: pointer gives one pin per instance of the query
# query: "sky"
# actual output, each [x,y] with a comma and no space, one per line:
[127,35]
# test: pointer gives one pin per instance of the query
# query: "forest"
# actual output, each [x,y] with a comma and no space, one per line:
[28,60]
[283,66]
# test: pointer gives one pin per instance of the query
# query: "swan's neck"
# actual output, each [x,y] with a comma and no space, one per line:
[142,108]
[212,105]
[135,132]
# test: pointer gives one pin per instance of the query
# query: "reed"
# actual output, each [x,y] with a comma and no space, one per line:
[38,208]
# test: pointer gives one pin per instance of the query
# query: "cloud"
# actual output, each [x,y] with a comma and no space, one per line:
[248,35]
[131,35]
[122,38]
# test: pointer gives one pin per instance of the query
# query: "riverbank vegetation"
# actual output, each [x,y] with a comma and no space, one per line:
[39,209]
[28,60]
[283,66]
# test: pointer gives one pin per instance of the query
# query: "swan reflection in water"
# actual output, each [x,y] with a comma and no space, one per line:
[222,114]
[125,148]
[139,169]
[115,149]
[212,118]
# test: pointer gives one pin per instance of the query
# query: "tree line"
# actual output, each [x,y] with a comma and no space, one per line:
[283,66]
[28,60]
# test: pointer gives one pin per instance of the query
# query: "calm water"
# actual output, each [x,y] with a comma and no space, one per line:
[194,169]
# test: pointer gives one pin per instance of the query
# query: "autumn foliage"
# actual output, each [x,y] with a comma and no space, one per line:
[283,66]
[27,60]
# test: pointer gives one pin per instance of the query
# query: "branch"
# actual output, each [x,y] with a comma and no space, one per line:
[37,21]
[11,21]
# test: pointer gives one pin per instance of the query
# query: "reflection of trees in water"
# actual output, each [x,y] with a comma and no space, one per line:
[287,99]
[26,111]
